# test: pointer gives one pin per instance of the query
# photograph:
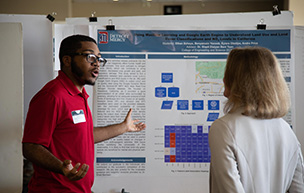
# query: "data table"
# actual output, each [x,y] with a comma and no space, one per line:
[187,143]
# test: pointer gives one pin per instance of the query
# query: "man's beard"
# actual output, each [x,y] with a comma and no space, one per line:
[78,73]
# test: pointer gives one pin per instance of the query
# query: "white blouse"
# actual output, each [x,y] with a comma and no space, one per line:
[254,156]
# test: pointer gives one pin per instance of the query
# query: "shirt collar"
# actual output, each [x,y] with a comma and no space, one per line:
[69,85]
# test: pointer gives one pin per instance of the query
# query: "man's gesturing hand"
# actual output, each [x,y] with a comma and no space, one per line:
[72,172]
[132,125]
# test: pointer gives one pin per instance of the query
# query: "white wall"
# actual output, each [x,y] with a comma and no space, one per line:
[296,6]
[11,111]
[71,8]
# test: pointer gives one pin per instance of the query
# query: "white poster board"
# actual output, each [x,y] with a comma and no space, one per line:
[207,21]
[110,173]
[173,81]
[11,111]
[299,79]
[38,52]
[20,80]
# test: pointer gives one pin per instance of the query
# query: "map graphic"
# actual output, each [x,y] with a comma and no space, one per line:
[209,77]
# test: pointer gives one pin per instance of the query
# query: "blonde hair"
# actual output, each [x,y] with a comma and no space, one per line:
[256,83]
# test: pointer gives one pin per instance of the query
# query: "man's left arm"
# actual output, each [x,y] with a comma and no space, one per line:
[108,132]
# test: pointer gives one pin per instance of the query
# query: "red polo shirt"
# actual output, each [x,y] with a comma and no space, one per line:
[60,119]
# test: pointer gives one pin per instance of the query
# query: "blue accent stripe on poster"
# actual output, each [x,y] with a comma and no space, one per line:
[283,56]
[124,56]
[192,41]
[121,160]
[186,56]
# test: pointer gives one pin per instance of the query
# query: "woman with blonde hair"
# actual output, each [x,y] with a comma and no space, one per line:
[253,149]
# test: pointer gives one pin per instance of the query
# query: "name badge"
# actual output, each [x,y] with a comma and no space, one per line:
[78,116]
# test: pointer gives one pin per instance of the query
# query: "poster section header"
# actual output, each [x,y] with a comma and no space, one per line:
[177,56]
[191,41]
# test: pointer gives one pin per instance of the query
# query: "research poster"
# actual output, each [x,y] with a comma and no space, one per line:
[172,79]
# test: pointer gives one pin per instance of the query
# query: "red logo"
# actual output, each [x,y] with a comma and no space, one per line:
[103,37]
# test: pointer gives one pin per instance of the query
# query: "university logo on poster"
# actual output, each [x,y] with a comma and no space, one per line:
[103,37]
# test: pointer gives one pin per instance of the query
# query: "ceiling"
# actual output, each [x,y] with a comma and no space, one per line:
[165,1]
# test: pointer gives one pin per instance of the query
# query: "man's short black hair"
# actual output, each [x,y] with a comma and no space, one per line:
[70,44]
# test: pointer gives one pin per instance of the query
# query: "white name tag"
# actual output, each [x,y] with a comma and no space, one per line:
[78,116]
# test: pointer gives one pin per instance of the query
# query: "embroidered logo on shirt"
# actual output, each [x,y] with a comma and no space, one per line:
[78,116]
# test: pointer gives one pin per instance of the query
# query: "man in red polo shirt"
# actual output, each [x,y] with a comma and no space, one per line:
[58,135]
